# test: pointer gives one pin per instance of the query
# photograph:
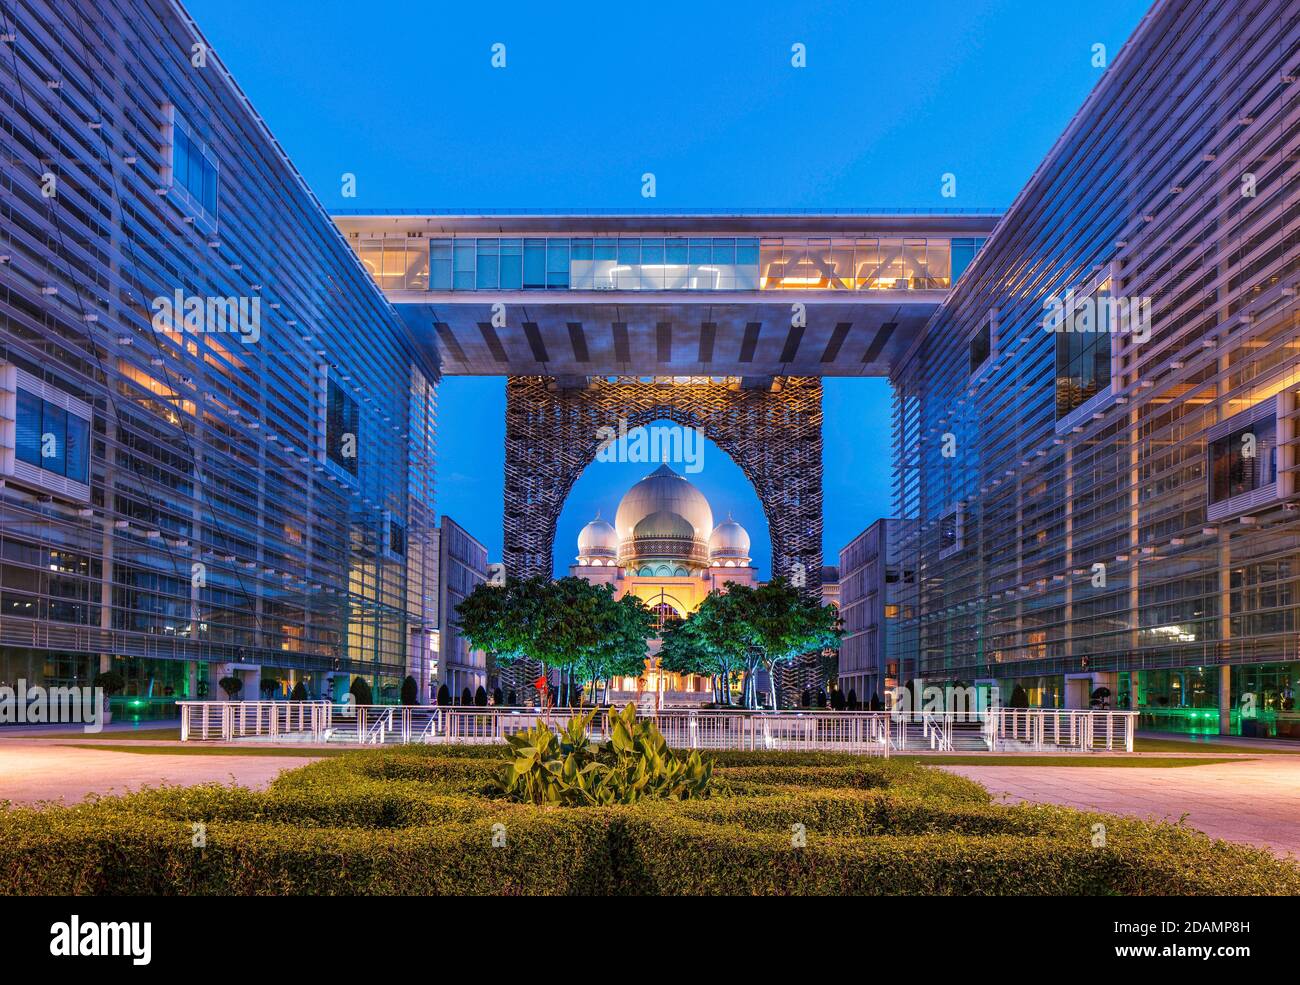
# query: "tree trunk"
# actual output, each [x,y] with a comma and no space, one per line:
[771,684]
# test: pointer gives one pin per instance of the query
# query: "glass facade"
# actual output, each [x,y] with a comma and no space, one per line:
[184,505]
[665,263]
[1115,509]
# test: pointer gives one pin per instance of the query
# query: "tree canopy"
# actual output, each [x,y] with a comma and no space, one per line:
[568,624]
[580,629]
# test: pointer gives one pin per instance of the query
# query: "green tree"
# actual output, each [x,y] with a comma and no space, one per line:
[568,624]
[509,622]
[618,647]
[687,649]
[781,622]
[722,621]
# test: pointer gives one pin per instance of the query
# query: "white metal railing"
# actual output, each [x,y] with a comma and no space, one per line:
[877,732]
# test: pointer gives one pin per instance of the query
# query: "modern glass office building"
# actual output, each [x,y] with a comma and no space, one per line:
[216,437]
[1096,434]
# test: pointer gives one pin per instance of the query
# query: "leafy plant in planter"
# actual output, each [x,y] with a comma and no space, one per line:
[566,768]
[299,692]
[232,686]
[112,683]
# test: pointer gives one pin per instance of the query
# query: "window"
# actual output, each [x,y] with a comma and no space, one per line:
[440,265]
[981,346]
[52,438]
[951,532]
[396,538]
[194,168]
[963,252]
[1244,459]
[341,424]
[1083,352]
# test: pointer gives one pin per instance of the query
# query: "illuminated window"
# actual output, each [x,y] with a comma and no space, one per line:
[1243,460]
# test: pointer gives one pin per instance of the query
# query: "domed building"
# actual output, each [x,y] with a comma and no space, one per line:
[664,548]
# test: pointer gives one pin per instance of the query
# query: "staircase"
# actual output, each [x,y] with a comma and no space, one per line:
[921,736]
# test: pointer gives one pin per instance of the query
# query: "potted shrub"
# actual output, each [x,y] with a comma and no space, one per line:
[410,691]
[269,686]
[299,692]
[360,691]
[113,683]
[444,696]
[232,686]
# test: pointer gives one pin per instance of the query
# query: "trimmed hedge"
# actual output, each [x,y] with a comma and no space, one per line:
[415,821]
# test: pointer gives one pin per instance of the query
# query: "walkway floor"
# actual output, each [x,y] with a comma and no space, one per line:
[32,771]
[1255,801]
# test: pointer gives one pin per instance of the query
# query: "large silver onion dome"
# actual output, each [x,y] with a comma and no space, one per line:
[664,491]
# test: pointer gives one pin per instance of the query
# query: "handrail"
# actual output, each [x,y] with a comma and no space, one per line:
[992,730]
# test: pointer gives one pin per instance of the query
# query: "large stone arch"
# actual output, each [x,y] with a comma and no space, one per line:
[773,433]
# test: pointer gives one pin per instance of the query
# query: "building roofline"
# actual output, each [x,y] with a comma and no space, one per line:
[214,59]
[1098,93]
[830,222]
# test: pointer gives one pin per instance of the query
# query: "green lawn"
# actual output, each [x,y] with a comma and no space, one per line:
[206,750]
[1194,743]
[136,735]
[1082,760]
[1092,761]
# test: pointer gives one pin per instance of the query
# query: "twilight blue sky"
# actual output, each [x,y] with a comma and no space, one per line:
[402,94]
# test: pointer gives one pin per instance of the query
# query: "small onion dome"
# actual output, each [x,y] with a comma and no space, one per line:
[729,542]
[597,541]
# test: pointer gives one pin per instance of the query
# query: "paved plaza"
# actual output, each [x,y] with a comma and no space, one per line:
[1254,801]
[37,770]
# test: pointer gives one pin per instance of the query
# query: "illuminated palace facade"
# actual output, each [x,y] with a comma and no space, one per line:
[664,548]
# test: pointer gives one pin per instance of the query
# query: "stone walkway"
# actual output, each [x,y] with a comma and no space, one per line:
[32,771]
[1255,801]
